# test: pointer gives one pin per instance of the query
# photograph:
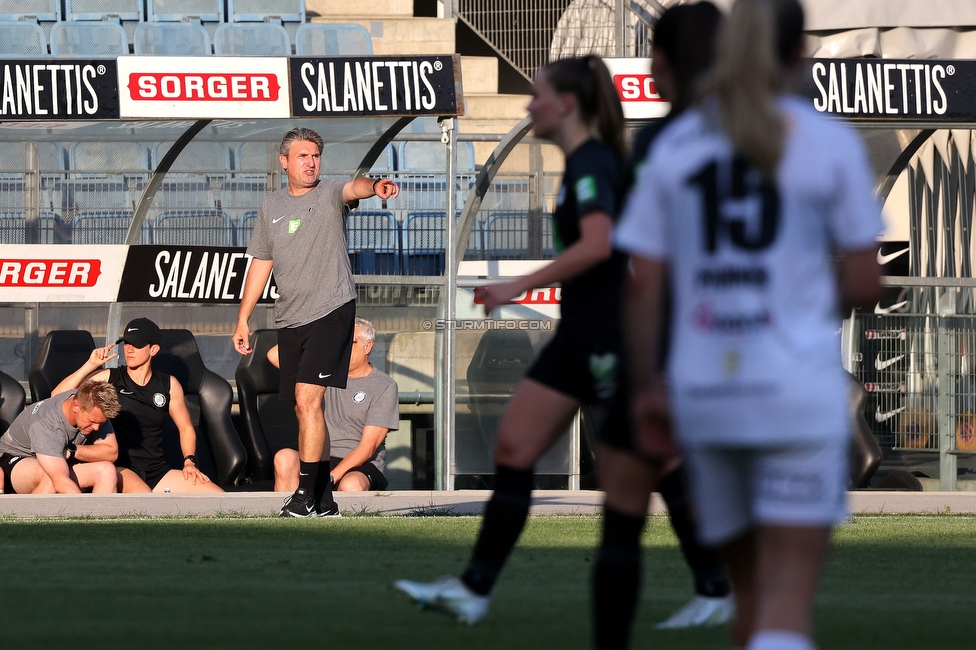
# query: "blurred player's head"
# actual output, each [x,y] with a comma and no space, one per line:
[758,48]
[577,89]
[683,49]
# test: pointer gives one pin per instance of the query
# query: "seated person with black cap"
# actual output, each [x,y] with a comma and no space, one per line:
[146,397]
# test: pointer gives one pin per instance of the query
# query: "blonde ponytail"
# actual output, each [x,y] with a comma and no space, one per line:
[750,74]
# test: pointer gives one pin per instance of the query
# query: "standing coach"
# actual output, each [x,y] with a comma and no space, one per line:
[300,234]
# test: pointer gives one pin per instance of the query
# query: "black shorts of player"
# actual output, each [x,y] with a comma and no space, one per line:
[580,363]
[317,353]
[151,473]
[7,462]
[615,428]
[376,479]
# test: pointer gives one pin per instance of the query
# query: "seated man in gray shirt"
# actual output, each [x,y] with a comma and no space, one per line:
[358,417]
[63,444]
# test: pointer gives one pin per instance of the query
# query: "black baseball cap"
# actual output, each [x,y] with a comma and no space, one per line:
[140,333]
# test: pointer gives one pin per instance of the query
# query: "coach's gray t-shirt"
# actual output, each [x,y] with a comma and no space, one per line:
[42,428]
[305,237]
[365,401]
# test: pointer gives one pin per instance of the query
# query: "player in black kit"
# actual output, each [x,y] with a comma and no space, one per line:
[575,105]
[147,397]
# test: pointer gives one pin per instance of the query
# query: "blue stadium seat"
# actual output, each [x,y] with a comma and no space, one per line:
[256,158]
[76,196]
[507,237]
[251,39]
[332,39]
[245,226]
[373,239]
[208,13]
[197,156]
[13,226]
[238,198]
[432,156]
[88,39]
[180,194]
[127,13]
[22,38]
[193,228]
[102,159]
[423,243]
[38,11]
[105,227]
[288,13]
[172,39]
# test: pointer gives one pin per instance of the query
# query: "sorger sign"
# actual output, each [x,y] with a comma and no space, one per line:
[203,87]
[42,273]
[636,89]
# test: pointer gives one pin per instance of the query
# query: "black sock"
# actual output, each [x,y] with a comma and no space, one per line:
[616,579]
[504,518]
[323,485]
[705,565]
[307,474]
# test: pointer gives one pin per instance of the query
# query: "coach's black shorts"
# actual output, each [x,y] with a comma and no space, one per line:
[7,462]
[317,353]
[580,363]
[376,479]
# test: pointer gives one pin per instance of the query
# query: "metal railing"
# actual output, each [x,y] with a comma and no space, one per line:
[529,35]
[919,370]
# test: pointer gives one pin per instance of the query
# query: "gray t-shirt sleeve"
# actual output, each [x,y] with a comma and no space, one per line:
[45,441]
[384,410]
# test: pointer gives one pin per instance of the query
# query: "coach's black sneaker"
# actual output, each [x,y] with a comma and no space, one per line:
[330,510]
[300,504]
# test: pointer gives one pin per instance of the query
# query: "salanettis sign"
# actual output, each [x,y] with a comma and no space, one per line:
[376,86]
[195,274]
[69,89]
[203,87]
[930,90]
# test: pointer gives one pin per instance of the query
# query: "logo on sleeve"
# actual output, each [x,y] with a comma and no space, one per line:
[359,397]
[293,226]
[159,400]
[585,189]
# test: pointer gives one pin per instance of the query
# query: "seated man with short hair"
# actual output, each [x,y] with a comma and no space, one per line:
[55,446]
[357,420]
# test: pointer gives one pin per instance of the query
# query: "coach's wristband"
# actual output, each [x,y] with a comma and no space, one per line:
[374,184]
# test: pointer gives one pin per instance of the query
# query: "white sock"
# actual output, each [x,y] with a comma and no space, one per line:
[779,640]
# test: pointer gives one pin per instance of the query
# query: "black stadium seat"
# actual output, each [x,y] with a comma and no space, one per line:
[62,352]
[12,400]
[865,450]
[220,454]
[267,425]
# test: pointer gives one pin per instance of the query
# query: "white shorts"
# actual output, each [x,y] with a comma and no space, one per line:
[736,488]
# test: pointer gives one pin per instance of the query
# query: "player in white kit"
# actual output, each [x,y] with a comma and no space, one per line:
[759,214]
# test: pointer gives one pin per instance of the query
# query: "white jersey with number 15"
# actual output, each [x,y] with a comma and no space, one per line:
[754,357]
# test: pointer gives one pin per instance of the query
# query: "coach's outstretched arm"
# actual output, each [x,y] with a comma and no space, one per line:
[257,277]
[364,188]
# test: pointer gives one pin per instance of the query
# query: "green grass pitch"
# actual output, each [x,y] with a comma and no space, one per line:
[892,582]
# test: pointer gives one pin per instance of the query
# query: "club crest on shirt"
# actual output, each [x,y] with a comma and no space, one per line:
[159,400]
[585,189]
[293,226]
[359,397]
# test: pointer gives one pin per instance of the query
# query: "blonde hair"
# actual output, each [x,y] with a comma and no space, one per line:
[755,46]
[102,394]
